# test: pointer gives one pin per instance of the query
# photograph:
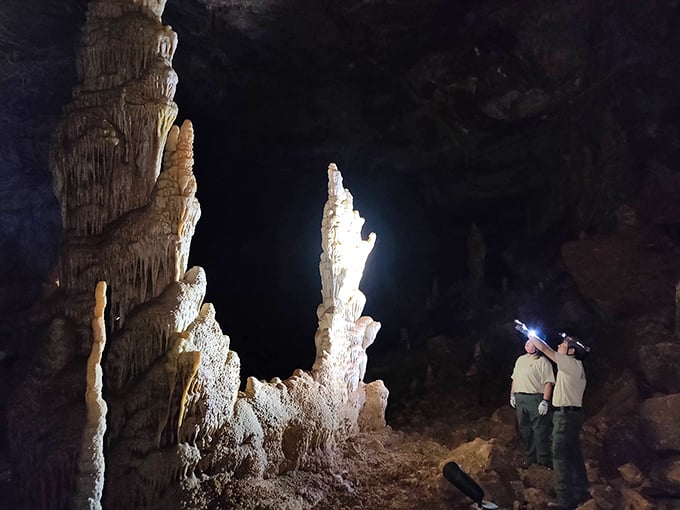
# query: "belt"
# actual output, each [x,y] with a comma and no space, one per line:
[566,409]
[522,393]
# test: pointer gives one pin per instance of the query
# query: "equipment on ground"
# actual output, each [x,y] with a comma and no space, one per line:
[462,481]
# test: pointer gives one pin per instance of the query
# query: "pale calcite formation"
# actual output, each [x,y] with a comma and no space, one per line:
[127,223]
[343,334]
[176,418]
[90,480]
[278,426]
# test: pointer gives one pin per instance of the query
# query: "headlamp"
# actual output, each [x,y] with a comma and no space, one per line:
[581,349]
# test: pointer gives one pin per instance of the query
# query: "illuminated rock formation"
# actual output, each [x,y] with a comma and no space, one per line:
[91,467]
[122,223]
[343,335]
[278,426]
[123,176]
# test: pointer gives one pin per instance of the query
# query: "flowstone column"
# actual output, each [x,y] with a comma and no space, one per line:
[123,176]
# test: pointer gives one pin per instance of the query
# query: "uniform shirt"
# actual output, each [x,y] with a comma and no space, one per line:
[571,381]
[531,374]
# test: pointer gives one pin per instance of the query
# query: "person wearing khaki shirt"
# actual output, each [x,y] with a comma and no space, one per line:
[532,385]
[570,472]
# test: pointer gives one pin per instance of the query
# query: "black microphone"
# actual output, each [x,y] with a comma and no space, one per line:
[454,474]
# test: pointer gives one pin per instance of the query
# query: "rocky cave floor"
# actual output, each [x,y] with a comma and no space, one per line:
[400,468]
[397,468]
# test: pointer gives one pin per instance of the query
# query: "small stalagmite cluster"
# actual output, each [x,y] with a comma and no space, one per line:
[166,387]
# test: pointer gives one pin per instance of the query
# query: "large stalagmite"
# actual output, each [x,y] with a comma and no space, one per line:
[343,335]
[176,418]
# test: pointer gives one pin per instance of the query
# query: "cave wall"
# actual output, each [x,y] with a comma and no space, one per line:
[452,112]
[579,118]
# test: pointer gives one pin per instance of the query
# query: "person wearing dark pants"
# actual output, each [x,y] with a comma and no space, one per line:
[532,384]
[570,472]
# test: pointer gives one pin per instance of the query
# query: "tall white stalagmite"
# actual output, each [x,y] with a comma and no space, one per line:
[343,334]
[90,478]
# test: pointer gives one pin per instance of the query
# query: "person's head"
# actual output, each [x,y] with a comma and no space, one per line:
[572,346]
[530,348]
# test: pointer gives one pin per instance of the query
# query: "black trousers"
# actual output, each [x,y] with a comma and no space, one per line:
[570,471]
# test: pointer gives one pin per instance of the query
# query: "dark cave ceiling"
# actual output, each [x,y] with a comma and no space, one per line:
[534,120]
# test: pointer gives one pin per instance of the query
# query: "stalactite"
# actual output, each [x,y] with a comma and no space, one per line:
[133,352]
[190,369]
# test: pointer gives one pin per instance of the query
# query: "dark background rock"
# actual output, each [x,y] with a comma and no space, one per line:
[660,364]
[661,422]
[528,121]
[622,443]
[535,123]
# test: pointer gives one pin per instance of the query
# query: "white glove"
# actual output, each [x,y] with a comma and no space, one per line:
[513,402]
[543,407]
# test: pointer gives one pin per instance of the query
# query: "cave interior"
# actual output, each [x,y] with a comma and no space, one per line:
[517,160]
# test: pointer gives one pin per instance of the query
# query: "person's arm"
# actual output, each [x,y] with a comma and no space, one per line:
[543,347]
[544,405]
[513,402]
[547,391]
